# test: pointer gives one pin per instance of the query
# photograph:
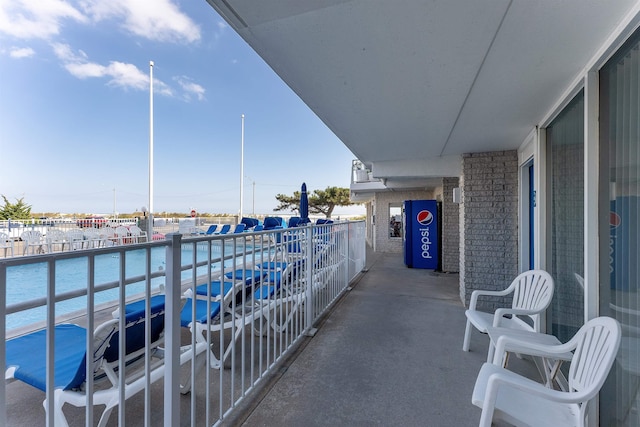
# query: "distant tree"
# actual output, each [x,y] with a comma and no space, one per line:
[320,201]
[18,210]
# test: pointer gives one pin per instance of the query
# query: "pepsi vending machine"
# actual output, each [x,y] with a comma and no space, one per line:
[420,236]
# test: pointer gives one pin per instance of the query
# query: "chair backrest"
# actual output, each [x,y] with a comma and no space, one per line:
[122,231]
[225,229]
[249,222]
[239,228]
[321,221]
[135,332]
[258,227]
[597,344]
[533,290]
[31,236]
[294,221]
[75,235]
[91,233]
[271,222]
[211,229]
[4,239]
[134,230]
[55,236]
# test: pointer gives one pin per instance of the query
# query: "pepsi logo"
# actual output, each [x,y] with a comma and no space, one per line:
[424,217]
[614,219]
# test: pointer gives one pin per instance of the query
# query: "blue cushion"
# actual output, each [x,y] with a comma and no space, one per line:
[214,289]
[28,354]
[247,275]
[201,311]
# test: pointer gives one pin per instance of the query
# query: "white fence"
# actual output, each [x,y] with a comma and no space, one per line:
[256,296]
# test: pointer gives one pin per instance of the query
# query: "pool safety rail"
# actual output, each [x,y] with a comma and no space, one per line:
[234,305]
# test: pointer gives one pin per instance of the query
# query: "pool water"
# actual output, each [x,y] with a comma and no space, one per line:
[26,282]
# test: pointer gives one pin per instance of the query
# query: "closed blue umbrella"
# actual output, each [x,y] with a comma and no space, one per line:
[304,205]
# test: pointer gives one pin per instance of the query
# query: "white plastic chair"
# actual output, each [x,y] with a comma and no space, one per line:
[122,235]
[75,239]
[506,395]
[137,235]
[32,241]
[55,238]
[531,292]
[91,238]
[6,243]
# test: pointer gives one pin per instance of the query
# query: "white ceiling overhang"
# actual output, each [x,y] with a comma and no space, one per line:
[410,85]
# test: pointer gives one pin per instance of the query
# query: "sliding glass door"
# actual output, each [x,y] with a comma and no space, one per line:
[565,198]
[619,215]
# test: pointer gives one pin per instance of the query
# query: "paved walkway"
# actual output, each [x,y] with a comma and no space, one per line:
[390,354]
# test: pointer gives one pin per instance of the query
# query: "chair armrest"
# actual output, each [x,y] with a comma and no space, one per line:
[509,379]
[501,312]
[475,294]
[506,344]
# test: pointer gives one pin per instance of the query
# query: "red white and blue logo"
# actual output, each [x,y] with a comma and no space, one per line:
[424,217]
[614,220]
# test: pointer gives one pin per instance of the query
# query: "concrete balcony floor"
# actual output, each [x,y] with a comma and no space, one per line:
[390,353]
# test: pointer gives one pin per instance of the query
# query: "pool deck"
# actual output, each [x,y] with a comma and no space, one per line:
[388,353]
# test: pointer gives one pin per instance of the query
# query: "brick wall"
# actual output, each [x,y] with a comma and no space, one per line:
[450,227]
[489,219]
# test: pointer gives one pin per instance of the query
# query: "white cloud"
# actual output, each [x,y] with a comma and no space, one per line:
[190,87]
[120,74]
[42,19]
[159,20]
[24,52]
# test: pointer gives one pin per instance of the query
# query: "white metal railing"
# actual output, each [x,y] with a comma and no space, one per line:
[271,288]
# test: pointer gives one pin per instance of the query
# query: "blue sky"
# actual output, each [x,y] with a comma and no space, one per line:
[74,112]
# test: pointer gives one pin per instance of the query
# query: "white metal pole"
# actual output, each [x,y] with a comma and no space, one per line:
[241,166]
[253,196]
[150,219]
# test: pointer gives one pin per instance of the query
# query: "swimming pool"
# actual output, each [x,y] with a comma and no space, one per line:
[27,282]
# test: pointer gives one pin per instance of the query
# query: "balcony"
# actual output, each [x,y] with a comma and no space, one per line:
[363,184]
[387,351]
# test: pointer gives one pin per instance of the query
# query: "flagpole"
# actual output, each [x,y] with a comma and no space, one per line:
[241,166]
[150,218]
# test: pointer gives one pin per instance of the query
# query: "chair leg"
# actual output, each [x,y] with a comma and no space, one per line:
[491,352]
[467,336]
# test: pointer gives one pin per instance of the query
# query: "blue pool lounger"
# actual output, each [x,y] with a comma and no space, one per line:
[26,361]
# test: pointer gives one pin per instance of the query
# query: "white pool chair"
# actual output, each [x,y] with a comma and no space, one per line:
[55,238]
[137,235]
[92,238]
[32,241]
[506,395]
[122,235]
[6,243]
[75,239]
[531,294]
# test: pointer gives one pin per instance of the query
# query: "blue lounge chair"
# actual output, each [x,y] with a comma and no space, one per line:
[249,223]
[239,229]
[214,311]
[294,221]
[211,229]
[224,230]
[26,360]
[272,222]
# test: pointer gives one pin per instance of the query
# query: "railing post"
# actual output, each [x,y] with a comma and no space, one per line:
[3,343]
[309,265]
[172,332]
[348,254]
